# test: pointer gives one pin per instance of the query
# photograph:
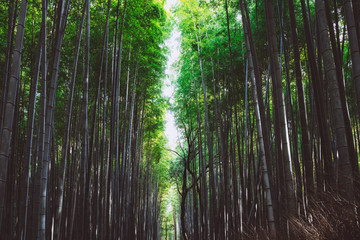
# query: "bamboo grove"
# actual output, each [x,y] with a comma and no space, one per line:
[267,100]
[82,119]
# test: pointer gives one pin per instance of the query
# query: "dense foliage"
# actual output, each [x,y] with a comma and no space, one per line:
[105,155]
[267,101]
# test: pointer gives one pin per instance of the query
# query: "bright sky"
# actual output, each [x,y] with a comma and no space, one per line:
[171,4]
[173,44]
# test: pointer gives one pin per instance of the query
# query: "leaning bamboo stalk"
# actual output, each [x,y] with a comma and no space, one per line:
[65,141]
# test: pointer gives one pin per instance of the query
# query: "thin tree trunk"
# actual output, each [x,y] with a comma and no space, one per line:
[262,154]
[9,206]
[337,117]
[305,146]
[10,32]
[33,231]
[356,10]
[283,51]
[85,142]
[318,100]
[24,194]
[341,84]
[95,227]
[202,166]
[266,128]
[44,164]
[49,119]
[210,146]
[11,95]
[183,201]
[75,185]
[354,46]
[354,42]
[65,141]
[280,107]
[263,164]
[245,197]
[103,150]
[131,122]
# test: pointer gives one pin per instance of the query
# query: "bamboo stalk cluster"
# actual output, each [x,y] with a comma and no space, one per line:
[81,120]
[261,162]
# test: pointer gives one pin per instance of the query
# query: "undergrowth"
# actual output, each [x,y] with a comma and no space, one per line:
[328,217]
